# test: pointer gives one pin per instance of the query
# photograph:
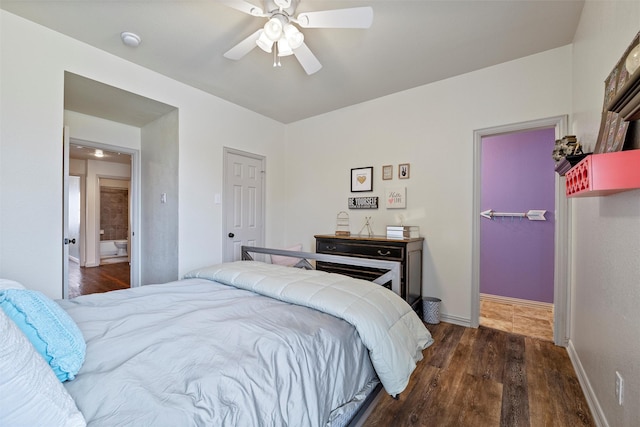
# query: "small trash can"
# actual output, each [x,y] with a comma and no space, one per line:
[431,310]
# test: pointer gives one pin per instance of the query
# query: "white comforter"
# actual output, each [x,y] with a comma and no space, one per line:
[199,353]
[388,327]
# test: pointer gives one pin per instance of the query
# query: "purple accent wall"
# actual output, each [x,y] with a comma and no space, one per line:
[517,255]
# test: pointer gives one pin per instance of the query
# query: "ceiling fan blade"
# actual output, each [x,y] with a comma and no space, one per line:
[244,47]
[244,6]
[356,17]
[307,59]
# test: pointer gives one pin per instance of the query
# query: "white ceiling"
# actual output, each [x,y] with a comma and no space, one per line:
[411,43]
[77,151]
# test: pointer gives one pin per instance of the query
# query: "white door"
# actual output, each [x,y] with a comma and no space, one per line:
[65,212]
[243,202]
[75,218]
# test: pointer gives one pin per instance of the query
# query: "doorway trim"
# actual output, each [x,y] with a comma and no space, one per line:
[134,244]
[561,276]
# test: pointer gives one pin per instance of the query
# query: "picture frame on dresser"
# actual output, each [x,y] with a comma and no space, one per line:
[362,179]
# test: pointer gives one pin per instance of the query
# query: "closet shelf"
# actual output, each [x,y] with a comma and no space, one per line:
[604,174]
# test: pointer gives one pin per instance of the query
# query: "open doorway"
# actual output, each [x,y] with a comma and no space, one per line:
[100,219]
[126,122]
[517,232]
[560,233]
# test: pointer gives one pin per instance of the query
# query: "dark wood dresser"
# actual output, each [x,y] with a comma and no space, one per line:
[406,251]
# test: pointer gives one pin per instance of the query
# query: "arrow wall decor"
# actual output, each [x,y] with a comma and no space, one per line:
[532,215]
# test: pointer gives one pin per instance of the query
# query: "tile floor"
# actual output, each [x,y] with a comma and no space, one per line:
[536,322]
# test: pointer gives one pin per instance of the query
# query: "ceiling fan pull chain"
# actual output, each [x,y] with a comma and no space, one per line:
[276,58]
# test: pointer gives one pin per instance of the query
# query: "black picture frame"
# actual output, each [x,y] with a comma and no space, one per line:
[362,179]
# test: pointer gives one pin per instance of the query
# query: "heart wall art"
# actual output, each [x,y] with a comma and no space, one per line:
[396,197]
[362,179]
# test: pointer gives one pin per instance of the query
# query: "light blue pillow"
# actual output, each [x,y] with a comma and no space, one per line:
[31,393]
[49,329]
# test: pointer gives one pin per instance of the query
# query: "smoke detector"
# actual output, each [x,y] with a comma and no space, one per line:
[130,39]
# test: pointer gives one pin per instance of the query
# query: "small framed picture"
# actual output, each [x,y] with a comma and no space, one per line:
[403,171]
[387,172]
[362,179]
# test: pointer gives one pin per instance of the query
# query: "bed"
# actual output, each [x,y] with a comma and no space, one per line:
[241,344]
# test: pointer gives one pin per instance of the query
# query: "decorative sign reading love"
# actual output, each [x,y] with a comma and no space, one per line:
[396,198]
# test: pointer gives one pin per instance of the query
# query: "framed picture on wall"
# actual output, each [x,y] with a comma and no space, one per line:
[387,172]
[403,171]
[362,179]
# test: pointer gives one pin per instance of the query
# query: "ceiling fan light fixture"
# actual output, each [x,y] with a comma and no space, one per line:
[284,49]
[273,29]
[293,36]
[264,42]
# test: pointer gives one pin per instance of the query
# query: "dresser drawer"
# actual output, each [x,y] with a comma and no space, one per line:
[365,273]
[408,252]
[387,252]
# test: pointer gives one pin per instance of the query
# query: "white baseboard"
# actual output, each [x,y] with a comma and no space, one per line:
[456,320]
[592,400]
[509,300]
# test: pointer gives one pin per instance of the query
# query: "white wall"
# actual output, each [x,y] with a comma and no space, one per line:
[606,243]
[94,129]
[430,127]
[32,68]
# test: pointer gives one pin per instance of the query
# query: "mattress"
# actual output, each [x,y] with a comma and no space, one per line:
[195,352]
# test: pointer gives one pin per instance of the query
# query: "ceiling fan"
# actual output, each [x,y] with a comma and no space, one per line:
[281,37]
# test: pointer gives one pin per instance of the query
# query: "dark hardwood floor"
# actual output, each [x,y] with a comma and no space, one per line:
[483,378]
[90,280]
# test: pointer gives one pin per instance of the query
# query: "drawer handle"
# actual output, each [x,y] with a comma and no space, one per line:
[383,254]
[330,248]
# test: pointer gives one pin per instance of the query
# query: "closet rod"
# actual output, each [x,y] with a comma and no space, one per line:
[532,215]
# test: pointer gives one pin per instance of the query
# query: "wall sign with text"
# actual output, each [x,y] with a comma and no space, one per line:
[363,203]
[396,198]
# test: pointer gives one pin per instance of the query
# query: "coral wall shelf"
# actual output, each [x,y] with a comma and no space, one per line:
[603,174]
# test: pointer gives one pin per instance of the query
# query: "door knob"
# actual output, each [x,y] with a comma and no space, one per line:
[231,235]
[67,241]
